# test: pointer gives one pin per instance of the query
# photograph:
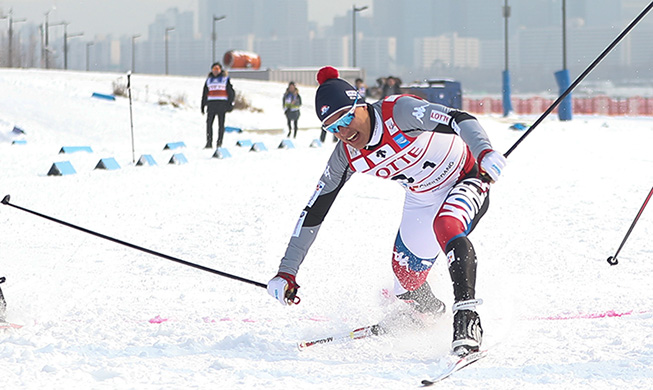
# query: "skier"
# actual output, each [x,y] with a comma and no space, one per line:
[445,162]
[218,95]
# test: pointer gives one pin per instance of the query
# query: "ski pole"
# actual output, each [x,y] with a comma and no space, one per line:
[131,120]
[581,77]
[612,260]
[5,201]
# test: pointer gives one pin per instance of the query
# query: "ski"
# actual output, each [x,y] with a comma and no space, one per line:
[455,366]
[356,334]
[9,325]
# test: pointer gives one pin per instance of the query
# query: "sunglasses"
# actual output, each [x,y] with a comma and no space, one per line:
[343,121]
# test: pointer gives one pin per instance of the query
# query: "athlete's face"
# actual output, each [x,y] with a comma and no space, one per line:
[357,133]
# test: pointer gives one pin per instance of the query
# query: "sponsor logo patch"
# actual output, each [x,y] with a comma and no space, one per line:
[418,112]
[324,109]
[381,154]
[300,223]
[440,117]
[401,140]
[451,257]
[390,124]
[327,171]
[318,190]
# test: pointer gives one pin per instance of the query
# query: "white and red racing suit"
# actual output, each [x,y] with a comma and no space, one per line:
[430,150]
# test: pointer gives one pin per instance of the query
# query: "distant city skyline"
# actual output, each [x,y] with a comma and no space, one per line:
[411,39]
[127,17]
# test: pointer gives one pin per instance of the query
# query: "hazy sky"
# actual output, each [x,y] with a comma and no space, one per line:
[120,17]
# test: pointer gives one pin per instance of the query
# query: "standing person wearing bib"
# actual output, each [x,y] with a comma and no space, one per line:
[218,96]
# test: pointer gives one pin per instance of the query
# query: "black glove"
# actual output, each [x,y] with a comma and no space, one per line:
[202,110]
[230,107]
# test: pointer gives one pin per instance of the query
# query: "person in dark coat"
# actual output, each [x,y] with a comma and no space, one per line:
[218,96]
[391,87]
[291,103]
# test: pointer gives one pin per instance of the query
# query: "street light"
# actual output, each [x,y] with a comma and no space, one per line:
[65,43]
[11,34]
[134,51]
[88,44]
[353,35]
[507,104]
[47,47]
[213,35]
[564,34]
[168,29]
[3,17]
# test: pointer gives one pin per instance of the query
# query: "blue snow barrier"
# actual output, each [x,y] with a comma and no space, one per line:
[146,159]
[61,168]
[103,96]
[230,129]
[565,107]
[519,126]
[18,142]
[286,144]
[174,145]
[75,149]
[109,163]
[316,143]
[244,143]
[221,153]
[258,147]
[178,159]
[18,130]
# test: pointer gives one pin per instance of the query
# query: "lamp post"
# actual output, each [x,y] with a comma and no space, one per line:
[46,38]
[507,104]
[134,51]
[47,46]
[11,35]
[214,36]
[353,29]
[1,18]
[168,29]
[88,44]
[66,37]
[564,34]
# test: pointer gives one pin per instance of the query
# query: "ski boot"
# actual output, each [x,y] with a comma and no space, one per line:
[423,300]
[467,330]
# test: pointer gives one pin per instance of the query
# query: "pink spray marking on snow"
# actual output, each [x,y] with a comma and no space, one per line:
[609,313]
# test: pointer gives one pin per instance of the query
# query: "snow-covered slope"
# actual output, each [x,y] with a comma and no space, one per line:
[102,315]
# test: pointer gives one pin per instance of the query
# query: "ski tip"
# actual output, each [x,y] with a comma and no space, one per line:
[9,325]
[5,200]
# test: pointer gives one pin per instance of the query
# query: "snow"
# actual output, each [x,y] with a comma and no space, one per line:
[105,316]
